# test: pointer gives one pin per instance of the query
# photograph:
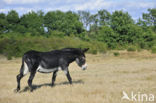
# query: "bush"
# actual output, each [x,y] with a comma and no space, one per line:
[16,46]
[107,35]
[93,51]
[154,49]
[131,49]
[116,53]
[9,57]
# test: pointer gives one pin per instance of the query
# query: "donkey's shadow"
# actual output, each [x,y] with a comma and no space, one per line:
[35,87]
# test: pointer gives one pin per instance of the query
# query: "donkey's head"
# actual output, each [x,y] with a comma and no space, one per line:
[81,59]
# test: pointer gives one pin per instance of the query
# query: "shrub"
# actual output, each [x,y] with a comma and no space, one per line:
[9,57]
[93,51]
[116,53]
[16,46]
[107,35]
[131,49]
[154,49]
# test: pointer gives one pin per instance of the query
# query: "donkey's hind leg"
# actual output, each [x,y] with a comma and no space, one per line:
[23,71]
[19,77]
[31,77]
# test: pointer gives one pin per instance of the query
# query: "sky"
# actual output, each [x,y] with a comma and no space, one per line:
[134,7]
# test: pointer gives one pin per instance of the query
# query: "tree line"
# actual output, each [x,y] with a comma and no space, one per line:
[117,29]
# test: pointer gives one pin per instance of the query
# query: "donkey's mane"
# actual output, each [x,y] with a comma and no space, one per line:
[73,50]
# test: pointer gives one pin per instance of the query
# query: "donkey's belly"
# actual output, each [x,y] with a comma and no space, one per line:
[44,70]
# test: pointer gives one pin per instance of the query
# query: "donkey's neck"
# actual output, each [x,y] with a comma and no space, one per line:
[71,58]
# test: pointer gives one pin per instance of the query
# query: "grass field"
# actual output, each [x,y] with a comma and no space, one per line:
[103,82]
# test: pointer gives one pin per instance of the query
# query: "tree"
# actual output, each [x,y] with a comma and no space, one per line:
[65,22]
[94,22]
[53,20]
[13,20]
[119,19]
[121,23]
[104,17]
[107,35]
[73,25]
[150,18]
[3,23]
[100,19]
[33,23]
[85,18]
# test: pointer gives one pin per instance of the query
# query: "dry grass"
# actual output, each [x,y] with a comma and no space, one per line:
[103,82]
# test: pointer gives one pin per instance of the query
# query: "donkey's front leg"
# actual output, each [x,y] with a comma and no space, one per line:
[54,77]
[68,76]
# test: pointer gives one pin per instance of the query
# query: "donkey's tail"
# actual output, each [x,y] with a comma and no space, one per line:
[24,67]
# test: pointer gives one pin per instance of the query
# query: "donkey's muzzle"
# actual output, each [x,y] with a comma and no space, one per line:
[84,67]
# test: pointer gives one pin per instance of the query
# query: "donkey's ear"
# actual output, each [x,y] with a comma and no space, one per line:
[85,50]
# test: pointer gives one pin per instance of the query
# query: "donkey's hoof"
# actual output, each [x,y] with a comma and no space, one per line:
[52,85]
[31,90]
[16,90]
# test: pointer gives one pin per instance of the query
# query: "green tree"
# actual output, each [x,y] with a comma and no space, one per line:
[53,20]
[121,23]
[32,22]
[150,18]
[85,18]
[3,23]
[104,17]
[64,22]
[13,20]
[107,35]
[73,25]
[120,19]
[94,23]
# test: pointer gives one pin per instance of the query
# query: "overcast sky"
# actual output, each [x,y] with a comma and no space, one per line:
[134,7]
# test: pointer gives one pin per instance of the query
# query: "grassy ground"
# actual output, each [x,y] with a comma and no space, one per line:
[103,82]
